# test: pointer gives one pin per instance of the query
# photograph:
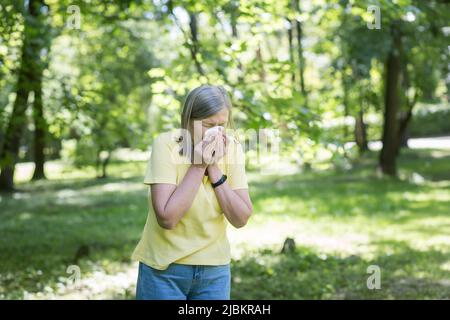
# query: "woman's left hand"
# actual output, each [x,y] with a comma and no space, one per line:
[220,147]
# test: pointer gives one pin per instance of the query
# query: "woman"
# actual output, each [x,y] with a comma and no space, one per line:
[197,184]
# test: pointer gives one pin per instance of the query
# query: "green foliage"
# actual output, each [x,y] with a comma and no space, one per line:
[434,122]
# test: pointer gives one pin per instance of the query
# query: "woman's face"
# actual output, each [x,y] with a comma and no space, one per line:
[218,119]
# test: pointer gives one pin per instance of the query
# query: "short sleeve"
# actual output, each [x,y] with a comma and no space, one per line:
[160,168]
[237,178]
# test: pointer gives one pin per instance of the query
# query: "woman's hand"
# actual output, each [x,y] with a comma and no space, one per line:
[204,152]
[219,146]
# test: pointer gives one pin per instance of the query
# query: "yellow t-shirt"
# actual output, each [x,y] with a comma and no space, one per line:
[200,236]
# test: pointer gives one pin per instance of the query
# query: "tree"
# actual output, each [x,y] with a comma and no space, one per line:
[112,101]
[415,29]
[388,153]
[40,128]
[28,76]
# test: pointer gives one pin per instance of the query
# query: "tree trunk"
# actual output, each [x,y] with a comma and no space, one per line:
[405,116]
[404,121]
[361,133]
[360,126]
[291,51]
[17,121]
[259,57]
[301,59]
[194,47]
[233,19]
[13,136]
[403,135]
[345,128]
[98,162]
[234,14]
[192,39]
[40,130]
[388,153]
[102,164]
[105,164]
[447,83]
[345,102]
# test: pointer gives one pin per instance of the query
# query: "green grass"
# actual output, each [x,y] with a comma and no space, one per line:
[342,222]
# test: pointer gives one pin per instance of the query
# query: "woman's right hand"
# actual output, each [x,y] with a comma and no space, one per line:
[204,152]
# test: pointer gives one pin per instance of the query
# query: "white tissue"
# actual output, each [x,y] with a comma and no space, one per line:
[214,130]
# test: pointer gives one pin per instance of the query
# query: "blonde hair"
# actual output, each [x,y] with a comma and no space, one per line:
[201,102]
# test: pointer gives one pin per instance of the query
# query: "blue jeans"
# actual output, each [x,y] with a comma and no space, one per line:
[184,282]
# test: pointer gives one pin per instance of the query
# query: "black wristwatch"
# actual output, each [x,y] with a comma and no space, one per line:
[220,181]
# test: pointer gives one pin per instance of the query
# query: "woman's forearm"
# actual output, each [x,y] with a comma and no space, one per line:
[236,210]
[181,199]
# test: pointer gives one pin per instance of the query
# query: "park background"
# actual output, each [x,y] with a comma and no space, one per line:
[358,89]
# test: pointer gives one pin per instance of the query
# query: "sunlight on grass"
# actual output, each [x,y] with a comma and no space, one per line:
[57,170]
[434,195]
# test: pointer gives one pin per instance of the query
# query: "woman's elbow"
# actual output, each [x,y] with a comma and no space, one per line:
[168,225]
[165,222]
[244,219]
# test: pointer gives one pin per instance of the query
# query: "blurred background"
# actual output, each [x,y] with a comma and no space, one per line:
[357,89]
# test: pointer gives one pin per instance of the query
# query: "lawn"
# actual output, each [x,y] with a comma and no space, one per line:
[342,222]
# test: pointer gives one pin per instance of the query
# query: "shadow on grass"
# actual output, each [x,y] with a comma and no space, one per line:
[63,196]
[305,274]
[72,184]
